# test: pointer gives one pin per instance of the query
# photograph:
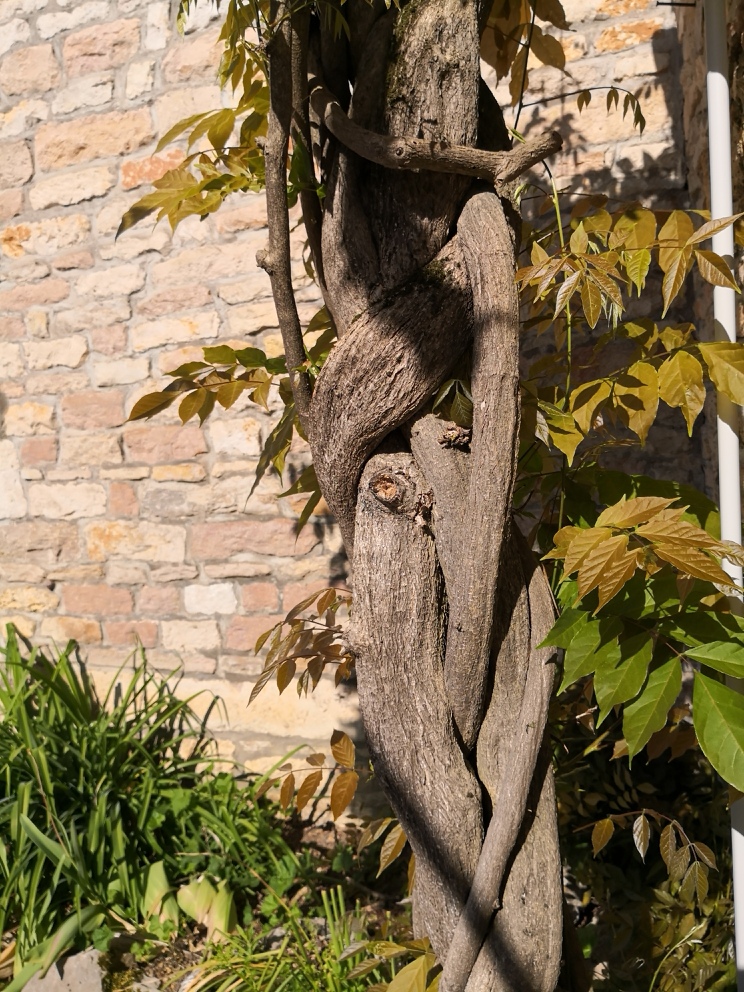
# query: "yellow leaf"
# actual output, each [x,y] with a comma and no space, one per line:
[692,562]
[637,397]
[714,269]
[548,49]
[641,834]
[307,790]
[583,544]
[285,674]
[629,512]
[342,792]
[599,561]
[342,749]
[635,229]
[519,77]
[681,385]
[538,254]
[586,401]
[725,361]
[391,848]
[562,539]
[591,301]
[562,429]
[674,235]
[712,227]
[671,529]
[287,791]
[679,265]
[608,286]
[637,264]
[601,835]
[618,571]
[579,241]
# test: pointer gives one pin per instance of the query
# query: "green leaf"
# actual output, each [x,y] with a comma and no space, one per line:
[54,851]
[221,354]
[277,445]
[726,657]
[617,682]
[648,713]
[596,644]
[718,715]
[563,631]
[150,404]
[191,404]
[251,358]
[220,128]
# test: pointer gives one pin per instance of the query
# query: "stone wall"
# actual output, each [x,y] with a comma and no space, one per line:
[112,531]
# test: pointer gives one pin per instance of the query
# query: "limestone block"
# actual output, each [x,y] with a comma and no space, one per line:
[176,105]
[178,298]
[49,25]
[13,33]
[252,318]
[29,70]
[39,542]
[104,46]
[627,35]
[22,117]
[39,450]
[96,136]
[152,444]
[11,203]
[62,629]
[88,318]
[28,418]
[11,361]
[13,504]
[137,172]
[218,597]
[70,352]
[131,632]
[208,263]
[140,78]
[34,294]
[96,600]
[191,59]
[66,500]
[187,472]
[258,597]
[28,599]
[11,329]
[56,382]
[190,635]
[140,541]
[12,8]
[95,90]
[158,26]
[16,166]
[174,330]
[119,371]
[235,437]
[45,237]
[222,539]
[118,280]
[122,500]
[158,600]
[89,449]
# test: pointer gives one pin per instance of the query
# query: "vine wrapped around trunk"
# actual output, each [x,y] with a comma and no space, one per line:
[417,269]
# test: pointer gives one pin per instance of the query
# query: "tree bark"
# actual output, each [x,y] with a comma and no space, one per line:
[417,260]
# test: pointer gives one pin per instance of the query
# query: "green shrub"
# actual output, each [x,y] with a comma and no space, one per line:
[108,808]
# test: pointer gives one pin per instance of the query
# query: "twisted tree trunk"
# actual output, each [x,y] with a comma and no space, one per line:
[417,269]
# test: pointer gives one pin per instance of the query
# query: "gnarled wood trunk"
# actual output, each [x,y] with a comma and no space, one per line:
[417,269]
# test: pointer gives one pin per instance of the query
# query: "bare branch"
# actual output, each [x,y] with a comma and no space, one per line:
[276,260]
[434,156]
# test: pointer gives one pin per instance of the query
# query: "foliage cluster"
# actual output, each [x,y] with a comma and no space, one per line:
[116,814]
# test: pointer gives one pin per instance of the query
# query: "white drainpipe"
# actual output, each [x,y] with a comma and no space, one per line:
[724,319]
